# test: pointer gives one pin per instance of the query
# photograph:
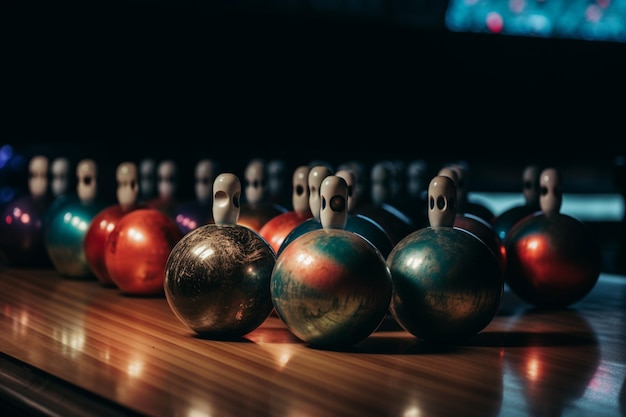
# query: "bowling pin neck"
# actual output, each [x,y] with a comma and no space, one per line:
[551,193]
[38,177]
[127,185]
[226,199]
[350,178]
[167,180]
[254,182]
[60,169]
[442,202]
[334,202]
[86,171]
[300,192]
[316,176]
[206,169]
[530,185]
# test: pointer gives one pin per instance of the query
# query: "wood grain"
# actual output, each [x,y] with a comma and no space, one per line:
[76,346]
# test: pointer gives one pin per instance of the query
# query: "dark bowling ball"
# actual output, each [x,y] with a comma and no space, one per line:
[531,190]
[22,233]
[484,232]
[504,222]
[447,284]
[192,214]
[356,223]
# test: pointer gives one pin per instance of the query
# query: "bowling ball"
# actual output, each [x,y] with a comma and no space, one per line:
[507,219]
[484,232]
[356,223]
[137,250]
[22,233]
[331,288]
[278,228]
[254,216]
[95,241]
[448,285]
[552,261]
[65,232]
[393,221]
[193,214]
[217,280]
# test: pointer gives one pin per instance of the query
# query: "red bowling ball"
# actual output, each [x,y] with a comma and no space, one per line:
[553,260]
[277,228]
[103,223]
[137,250]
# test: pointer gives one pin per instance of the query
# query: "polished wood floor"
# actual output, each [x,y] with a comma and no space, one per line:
[75,348]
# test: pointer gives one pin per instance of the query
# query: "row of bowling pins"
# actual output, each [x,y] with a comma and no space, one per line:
[255,212]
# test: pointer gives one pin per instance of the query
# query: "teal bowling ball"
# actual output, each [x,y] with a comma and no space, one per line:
[447,284]
[64,236]
[331,288]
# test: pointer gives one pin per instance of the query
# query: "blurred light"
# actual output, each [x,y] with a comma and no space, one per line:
[6,194]
[602,20]
[584,207]
[494,22]
[6,152]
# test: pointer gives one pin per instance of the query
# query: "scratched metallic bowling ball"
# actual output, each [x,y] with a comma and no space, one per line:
[552,261]
[137,250]
[331,288]
[448,285]
[95,241]
[217,280]
[357,223]
[22,233]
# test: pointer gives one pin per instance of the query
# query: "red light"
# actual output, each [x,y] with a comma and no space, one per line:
[494,22]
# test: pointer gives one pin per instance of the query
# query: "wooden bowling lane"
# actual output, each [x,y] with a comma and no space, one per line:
[74,347]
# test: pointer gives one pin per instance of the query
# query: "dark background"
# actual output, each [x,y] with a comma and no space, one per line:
[274,75]
[238,79]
